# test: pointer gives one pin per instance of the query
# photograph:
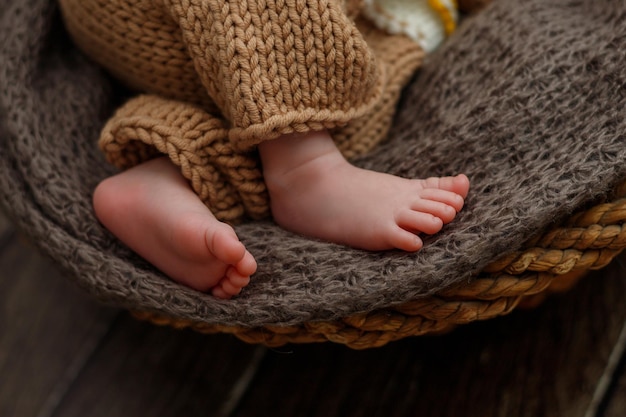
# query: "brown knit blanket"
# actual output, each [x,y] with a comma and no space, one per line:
[527,99]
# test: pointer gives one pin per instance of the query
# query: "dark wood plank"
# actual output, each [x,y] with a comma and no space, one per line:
[4,224]
[615,404]
[543,362]
[48,330]
[6,231]
[145,370]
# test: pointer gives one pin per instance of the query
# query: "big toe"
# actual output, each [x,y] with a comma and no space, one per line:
[224,244]
[460,185]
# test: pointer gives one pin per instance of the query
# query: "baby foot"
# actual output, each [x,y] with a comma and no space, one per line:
[152,209]
[316,192]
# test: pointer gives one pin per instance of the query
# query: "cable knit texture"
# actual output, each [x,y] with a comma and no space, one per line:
[271,67]
[274,67]
[527,98]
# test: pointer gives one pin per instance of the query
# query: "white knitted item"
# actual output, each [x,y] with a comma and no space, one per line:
[427,22]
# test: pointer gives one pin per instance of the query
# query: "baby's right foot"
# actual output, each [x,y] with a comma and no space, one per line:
[314,191]
[152,209]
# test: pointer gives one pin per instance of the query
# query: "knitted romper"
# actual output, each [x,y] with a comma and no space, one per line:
[217,77]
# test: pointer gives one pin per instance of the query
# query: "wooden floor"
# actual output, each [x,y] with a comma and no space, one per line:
[63,355]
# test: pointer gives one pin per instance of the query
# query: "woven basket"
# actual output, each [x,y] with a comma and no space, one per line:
[53,102]
[552,262]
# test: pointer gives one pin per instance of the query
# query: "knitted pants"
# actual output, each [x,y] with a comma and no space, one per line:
[216,77]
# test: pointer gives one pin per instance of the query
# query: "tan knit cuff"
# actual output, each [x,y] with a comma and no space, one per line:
[275,67]
[229,182]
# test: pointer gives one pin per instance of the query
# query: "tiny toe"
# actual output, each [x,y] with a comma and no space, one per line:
[405,240]
[229,287]
[238,279]
[219,292]
[442,196]
[420,222]
[442,210]
[458,184]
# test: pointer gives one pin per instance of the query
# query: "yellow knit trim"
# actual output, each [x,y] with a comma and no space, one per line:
[427,22]
[447,11]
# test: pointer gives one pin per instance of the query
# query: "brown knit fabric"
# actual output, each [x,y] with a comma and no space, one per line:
[269,67]
[526,98]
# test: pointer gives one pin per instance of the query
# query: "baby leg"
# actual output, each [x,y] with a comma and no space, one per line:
[316,192]
[152,209]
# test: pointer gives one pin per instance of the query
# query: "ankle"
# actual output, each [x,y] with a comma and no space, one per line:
[289,153]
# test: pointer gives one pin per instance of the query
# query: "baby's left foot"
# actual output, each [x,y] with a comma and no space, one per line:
[152,209]
[316,192]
